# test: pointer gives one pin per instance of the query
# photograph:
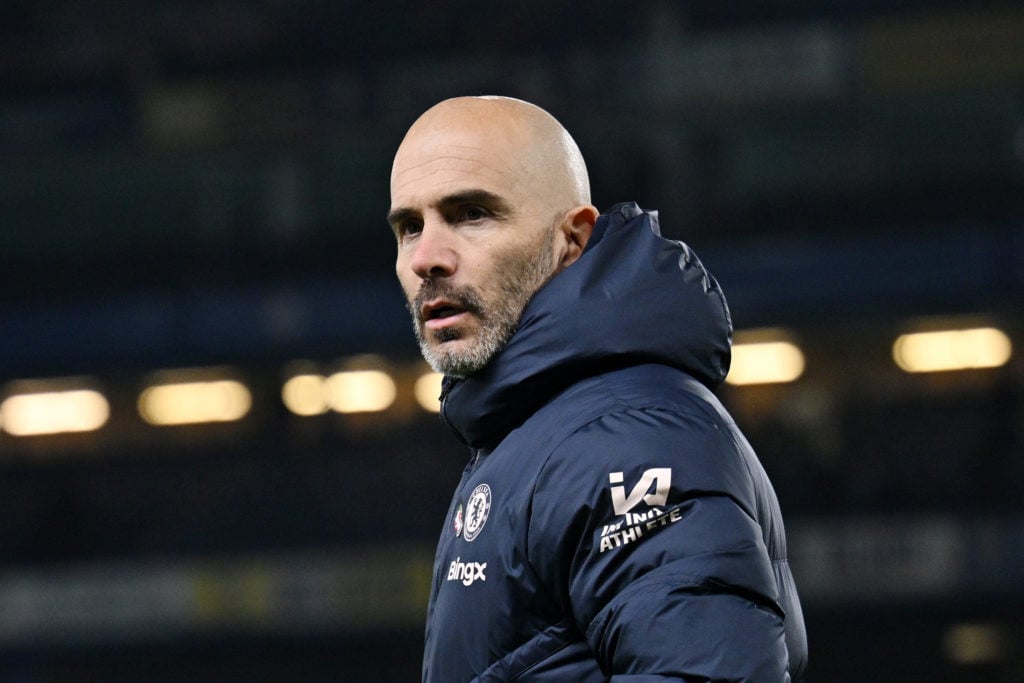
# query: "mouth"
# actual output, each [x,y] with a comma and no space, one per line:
[441,313]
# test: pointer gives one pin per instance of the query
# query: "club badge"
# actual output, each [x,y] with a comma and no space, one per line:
[477,509]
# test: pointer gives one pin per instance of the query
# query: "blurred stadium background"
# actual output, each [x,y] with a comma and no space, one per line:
[213,462]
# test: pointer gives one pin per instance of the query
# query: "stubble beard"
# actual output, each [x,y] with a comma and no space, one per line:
[517,279]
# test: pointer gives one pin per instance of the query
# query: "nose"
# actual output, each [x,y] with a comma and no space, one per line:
[434,253]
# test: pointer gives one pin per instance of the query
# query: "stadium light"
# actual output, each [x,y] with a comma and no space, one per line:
[767,358]
[361,391]
[948,350]
[306,394]
[179,403]
[427,389]
[54,412]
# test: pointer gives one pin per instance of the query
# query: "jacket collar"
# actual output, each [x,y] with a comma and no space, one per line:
[632,297]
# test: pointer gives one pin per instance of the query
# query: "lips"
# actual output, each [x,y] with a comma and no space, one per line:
[442,312]
[435,313]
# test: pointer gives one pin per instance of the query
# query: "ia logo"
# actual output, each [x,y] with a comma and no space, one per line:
[659,477]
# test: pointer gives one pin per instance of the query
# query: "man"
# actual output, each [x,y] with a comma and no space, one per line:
[612,524]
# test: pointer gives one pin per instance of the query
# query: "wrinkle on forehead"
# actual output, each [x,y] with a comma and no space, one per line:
[429,177]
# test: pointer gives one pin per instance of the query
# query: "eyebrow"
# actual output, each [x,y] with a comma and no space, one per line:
[472,196]
[396,216]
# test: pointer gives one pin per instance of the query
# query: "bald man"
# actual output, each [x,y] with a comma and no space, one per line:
[612,524]
[511,189]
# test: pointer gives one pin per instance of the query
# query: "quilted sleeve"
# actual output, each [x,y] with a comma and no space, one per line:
[644,521]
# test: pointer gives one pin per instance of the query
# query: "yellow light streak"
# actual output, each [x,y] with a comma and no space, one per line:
[195,402]
[427,389]
[306,395]
[361,391]
[948,350]
[54,412]
[769,362]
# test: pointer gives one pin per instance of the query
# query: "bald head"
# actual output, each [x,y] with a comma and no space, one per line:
[514,136]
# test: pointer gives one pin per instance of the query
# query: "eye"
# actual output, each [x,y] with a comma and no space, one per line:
[407,228]
[473,213]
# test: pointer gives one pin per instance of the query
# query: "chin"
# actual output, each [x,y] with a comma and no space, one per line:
[449,350]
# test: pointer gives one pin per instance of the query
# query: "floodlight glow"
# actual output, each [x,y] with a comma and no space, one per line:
[427,390]
[361,391]
[771,362]
[946,350]
[54,412]
[306,395]
[975,644]
[195,402]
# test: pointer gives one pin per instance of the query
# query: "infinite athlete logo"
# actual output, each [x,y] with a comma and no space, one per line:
[659,477]
[477,509]
[631,526]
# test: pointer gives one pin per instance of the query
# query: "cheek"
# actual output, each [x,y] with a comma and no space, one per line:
[408,281]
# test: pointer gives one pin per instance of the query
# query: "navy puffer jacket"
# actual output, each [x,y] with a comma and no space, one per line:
[613,523]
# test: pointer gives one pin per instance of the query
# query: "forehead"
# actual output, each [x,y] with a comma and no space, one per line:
[435,163]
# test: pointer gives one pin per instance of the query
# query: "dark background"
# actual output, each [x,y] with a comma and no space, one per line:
[203,184]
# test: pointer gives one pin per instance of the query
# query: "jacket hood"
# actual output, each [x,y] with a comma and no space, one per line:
[632,297]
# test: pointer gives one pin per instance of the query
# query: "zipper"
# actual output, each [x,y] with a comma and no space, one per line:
[447,384]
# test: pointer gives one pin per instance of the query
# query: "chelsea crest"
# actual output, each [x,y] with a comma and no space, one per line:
[477,509]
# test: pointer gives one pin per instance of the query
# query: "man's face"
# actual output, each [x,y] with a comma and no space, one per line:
[473,245]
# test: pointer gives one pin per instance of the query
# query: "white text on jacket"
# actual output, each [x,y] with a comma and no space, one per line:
[466,572]
[615,536]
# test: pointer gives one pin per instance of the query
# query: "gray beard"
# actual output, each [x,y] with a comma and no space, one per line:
[518,281]
[495,331]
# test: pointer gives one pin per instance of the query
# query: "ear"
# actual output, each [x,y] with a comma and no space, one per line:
[577,226]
